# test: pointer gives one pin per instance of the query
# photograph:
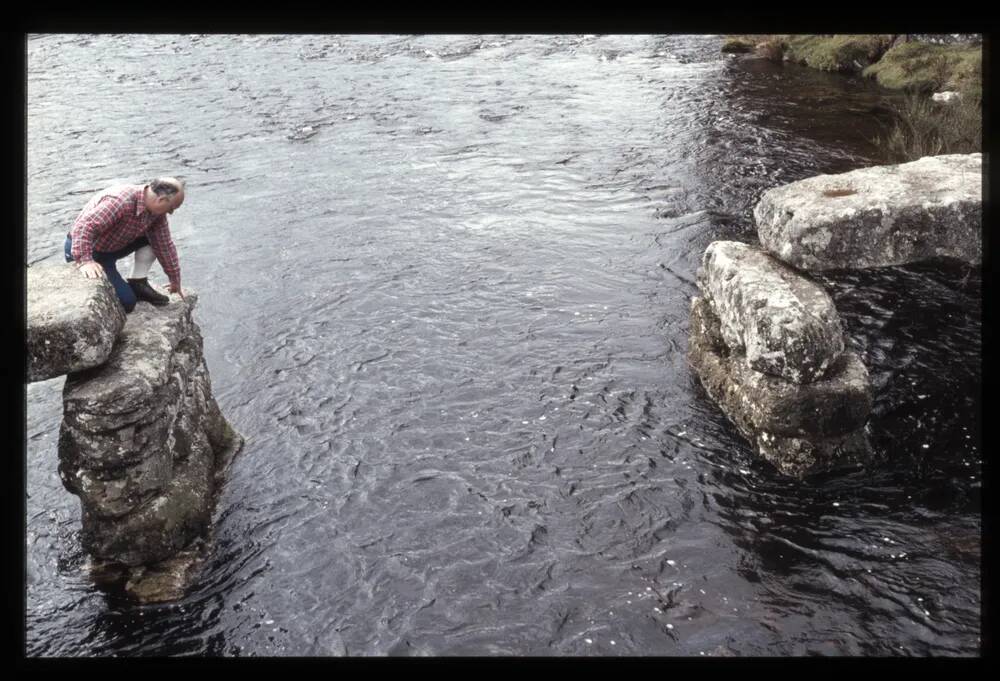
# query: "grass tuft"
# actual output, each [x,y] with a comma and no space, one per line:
[922,127]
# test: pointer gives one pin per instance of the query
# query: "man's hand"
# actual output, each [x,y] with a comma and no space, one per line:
[92,270]
[175,289]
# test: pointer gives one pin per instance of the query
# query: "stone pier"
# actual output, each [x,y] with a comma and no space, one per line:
[142,442]
[767,345]
[766,340]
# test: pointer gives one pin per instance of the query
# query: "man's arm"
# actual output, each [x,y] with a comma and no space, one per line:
[166,253]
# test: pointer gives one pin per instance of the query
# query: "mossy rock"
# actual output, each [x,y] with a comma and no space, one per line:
[737,46]
[838,53]
[922,67]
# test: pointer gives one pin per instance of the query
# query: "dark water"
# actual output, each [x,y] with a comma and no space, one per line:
[445,285]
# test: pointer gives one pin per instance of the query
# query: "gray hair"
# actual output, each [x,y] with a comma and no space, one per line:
[166,186]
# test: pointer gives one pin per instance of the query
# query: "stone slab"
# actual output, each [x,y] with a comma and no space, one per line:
[879,216]
[72,321]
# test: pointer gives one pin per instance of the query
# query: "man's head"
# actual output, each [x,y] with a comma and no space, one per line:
[164,195]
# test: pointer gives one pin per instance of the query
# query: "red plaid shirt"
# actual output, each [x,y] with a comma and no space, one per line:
[116,217]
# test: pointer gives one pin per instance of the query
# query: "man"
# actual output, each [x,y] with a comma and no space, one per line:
[128,219]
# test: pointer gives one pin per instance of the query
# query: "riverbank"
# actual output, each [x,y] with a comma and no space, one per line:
[940,111]
[893,61]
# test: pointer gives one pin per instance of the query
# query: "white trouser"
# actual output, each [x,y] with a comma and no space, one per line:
[144,259]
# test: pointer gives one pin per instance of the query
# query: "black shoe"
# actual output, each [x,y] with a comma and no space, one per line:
[143,291]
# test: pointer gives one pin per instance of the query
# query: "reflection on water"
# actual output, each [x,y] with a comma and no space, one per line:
[445,285]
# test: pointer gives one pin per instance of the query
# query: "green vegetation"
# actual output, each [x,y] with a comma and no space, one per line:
[929,68]
[841,53]
[923,127]
[756,43]
[912,66]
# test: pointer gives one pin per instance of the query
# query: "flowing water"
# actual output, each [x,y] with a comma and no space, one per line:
[444,294]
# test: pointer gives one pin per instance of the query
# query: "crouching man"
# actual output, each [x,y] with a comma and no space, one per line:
[127,219]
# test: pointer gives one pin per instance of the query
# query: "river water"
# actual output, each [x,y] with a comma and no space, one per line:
[444,292]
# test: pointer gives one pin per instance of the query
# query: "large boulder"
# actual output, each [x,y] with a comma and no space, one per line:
[784,324]
[876,217]
[72,321]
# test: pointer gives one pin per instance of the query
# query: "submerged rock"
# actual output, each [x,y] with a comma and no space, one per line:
[72,321]
[876,217]
[800,457]
[164,581]
[784,324]
[160,582]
